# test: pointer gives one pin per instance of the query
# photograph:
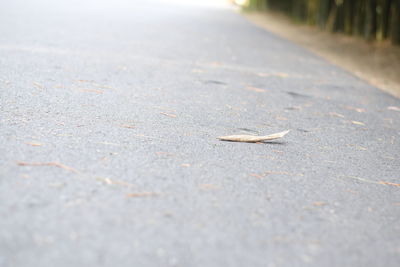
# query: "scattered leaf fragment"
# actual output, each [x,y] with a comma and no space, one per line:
[393,108]
[334,114]
[215,64]
[281,118]
[168,114]
[370,181]
[358,123]
[277,74]
[38,85]
[208,186]
[103,86]
[357,147]
[361,148]
[165,109]
[197,71]
[281,74]
[388,120]
[255,89]
[185,165]
[360,179]
[142,194]
[283,173]
[389,183]
[253,138]
[388,157]
[319,203]
[109,181]
[55,164]
[34,143]
[161,153]
[129,126]
[256,175]
[359,110]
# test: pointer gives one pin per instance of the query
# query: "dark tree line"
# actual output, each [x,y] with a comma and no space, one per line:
[371,19]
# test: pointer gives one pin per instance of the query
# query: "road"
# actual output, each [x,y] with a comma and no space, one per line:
[110,113]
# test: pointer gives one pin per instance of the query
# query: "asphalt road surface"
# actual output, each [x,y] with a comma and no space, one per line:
[110,113]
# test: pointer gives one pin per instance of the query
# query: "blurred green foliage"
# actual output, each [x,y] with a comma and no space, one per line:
[371,19]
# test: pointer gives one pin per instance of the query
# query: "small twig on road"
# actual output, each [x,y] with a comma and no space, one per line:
[370,181]
[55,164]
[127,126]
[34,143]
[389,183]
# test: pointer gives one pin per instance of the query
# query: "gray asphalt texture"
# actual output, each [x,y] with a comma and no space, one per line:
[130,97]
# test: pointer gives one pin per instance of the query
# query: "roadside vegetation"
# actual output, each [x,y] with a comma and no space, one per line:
[371,19]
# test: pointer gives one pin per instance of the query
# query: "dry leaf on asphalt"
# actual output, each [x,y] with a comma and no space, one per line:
[253,138]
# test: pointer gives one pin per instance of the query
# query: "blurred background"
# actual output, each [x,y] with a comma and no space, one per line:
[361,36]
[371,19]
